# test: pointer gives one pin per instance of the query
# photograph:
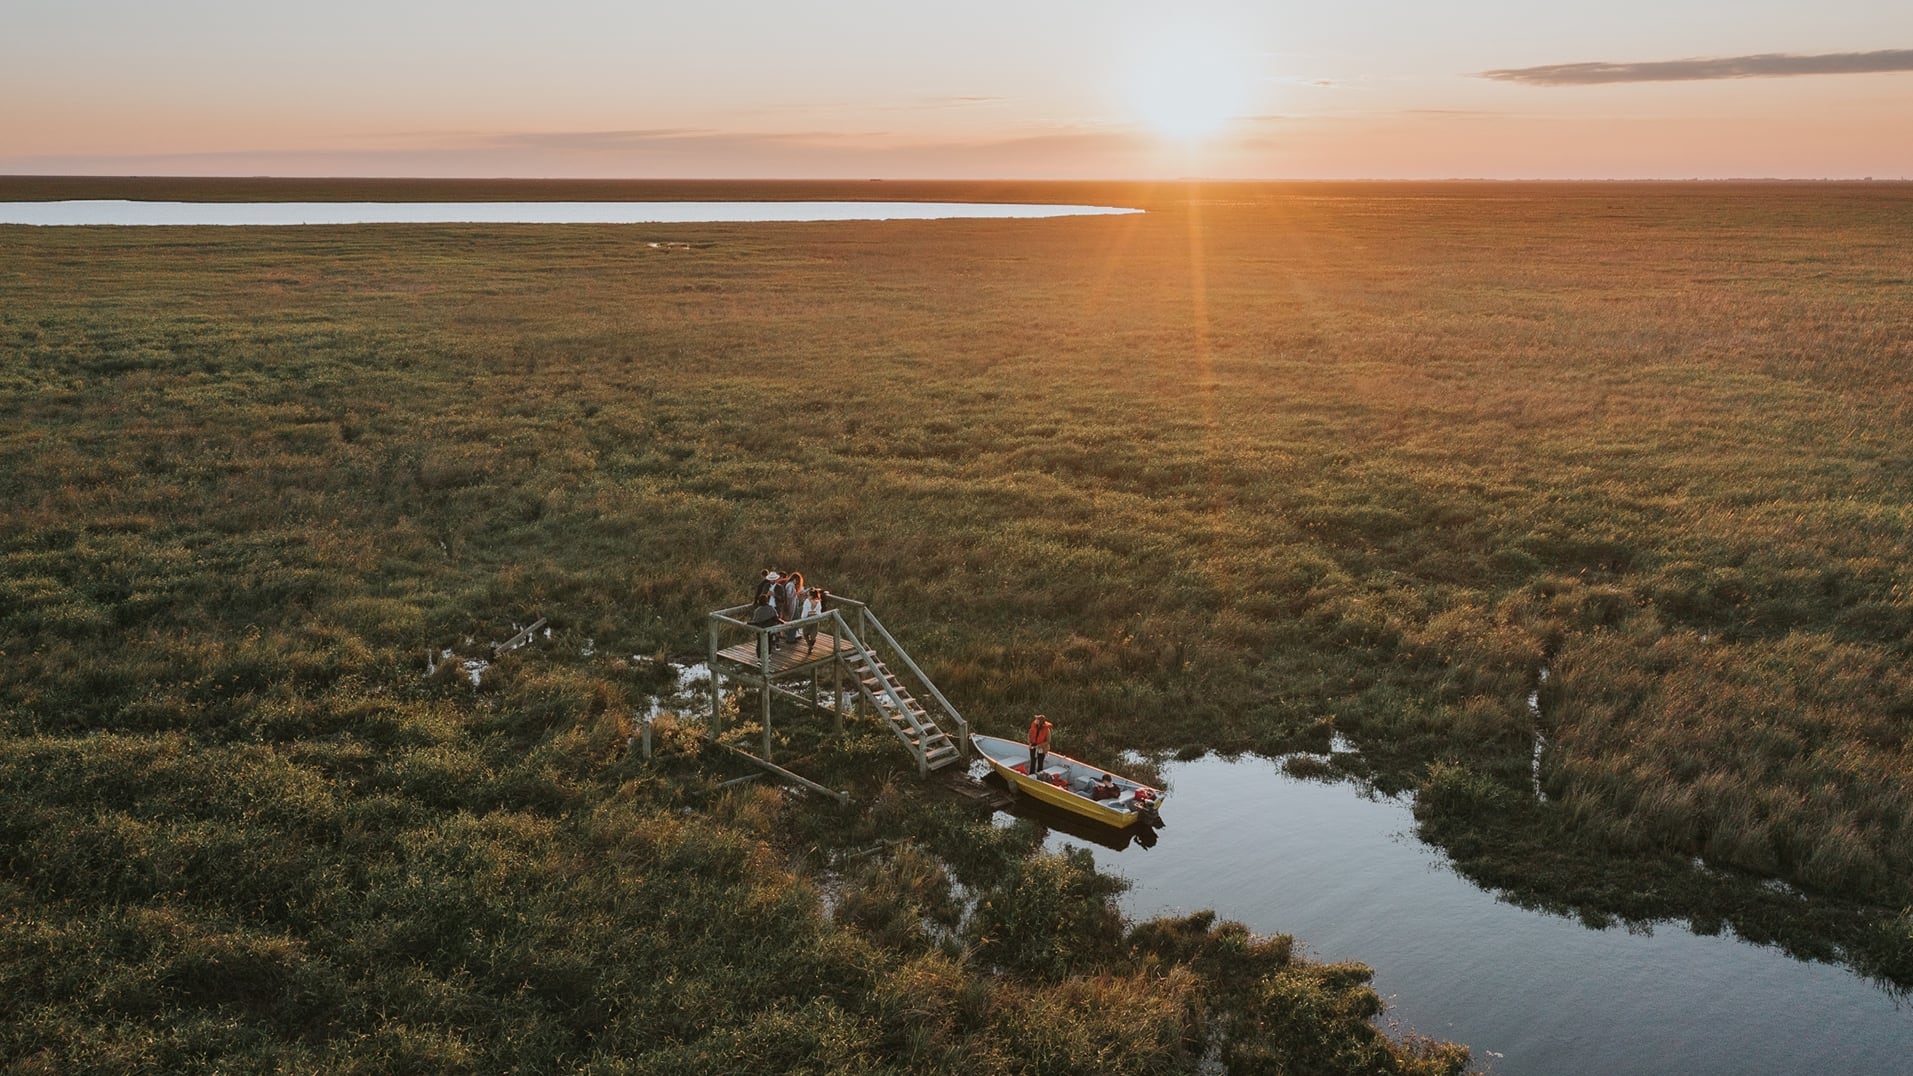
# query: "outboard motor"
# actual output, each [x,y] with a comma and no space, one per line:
[1144,802]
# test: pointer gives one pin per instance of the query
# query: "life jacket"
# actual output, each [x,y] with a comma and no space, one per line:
[1039,733]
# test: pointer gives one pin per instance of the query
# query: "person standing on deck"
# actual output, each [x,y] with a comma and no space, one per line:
[1039,743]
[790,601]
[764,615]
[813,606]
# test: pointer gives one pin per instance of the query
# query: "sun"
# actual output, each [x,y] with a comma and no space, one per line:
[1187,86]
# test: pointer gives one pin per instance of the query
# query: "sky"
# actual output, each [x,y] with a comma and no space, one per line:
[1062,89]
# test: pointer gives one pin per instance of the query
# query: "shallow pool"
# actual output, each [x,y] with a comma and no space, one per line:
[1530,993]
[115,211]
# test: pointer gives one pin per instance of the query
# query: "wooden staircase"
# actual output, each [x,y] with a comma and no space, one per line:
[883,690]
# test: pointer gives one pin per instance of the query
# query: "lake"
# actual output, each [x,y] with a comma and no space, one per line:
[115,211]
[1528,992]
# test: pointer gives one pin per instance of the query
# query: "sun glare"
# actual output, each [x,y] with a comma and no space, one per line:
[1188,87]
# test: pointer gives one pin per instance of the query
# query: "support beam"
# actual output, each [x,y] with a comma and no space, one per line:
[837,696]
[717,698]
[781,772]
[764,696]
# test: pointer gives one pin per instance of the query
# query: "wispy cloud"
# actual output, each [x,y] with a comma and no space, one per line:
[1764,65]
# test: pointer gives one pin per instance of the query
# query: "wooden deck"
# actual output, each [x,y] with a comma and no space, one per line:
[788,658]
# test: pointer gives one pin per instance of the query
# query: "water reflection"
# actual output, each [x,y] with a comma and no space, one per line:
[1528,991]
[1057,820]
[119,212]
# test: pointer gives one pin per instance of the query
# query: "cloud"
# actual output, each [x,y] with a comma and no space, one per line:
[1765,65]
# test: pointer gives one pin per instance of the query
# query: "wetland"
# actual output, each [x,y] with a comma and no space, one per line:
[1261,470]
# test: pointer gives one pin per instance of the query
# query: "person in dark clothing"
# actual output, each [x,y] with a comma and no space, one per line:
[764,615]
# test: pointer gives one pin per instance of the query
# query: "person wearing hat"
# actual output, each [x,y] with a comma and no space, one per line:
[1039,743]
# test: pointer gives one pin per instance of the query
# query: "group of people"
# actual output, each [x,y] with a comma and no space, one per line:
[783,597]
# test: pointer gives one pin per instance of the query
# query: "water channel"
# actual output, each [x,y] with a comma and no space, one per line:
[115,211]
[1531,994]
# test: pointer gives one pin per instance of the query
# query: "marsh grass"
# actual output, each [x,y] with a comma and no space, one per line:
[1389,451]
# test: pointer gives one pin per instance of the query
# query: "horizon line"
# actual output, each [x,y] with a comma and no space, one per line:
[6,176]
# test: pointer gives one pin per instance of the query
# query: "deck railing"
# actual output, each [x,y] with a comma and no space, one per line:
[852,623]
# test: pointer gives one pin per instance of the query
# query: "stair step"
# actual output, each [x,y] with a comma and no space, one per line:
[893,702]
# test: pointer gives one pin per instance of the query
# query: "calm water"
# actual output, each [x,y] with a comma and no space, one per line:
[280,213]
[1530,993]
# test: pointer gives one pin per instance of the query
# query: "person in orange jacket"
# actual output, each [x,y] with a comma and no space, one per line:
[1039,743]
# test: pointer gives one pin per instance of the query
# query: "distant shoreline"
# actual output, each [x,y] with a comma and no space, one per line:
[25,188]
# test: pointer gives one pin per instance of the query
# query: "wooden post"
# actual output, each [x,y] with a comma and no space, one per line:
[647,737]
[764,670]
[717,697]
[836,690]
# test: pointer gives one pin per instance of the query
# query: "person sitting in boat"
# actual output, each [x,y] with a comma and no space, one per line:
[1105,789]
[1039,743]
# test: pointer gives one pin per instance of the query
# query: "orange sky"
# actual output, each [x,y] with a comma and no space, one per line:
[1062,89]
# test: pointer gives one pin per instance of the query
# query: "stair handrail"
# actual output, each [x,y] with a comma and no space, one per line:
[963,727]
[872,661]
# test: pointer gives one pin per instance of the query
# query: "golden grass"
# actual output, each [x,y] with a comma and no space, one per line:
[1264,463]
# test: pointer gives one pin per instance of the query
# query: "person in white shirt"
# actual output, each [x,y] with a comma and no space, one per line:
[813,606]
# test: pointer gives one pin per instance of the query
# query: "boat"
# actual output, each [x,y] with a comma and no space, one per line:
[1070,785]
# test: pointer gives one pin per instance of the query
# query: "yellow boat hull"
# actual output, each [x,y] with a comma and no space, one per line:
[1117,814]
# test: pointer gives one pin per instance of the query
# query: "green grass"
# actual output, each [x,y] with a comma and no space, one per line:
[1261,465]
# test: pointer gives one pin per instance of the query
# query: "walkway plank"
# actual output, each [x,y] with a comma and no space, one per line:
[787,658]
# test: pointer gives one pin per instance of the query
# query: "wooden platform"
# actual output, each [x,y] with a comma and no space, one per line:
[789,658]
[995,797]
